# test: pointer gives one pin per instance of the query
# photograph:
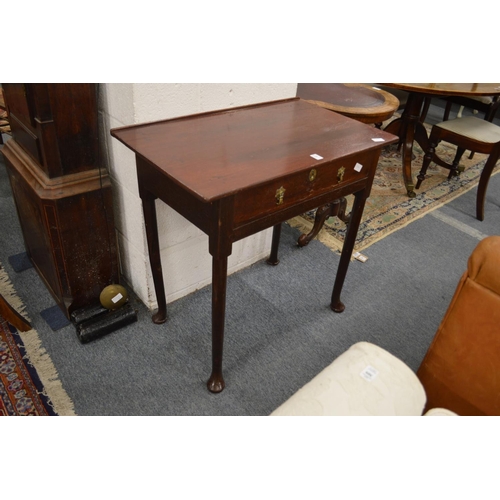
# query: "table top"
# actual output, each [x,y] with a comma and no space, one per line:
[356,100]
[450,89]
[216,154]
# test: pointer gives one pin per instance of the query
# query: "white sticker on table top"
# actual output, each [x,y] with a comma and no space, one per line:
[378,139]
[358,167]
[369,373]
[116,298]
[316,156]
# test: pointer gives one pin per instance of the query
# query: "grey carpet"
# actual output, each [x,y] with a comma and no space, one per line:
[20,262]
[280,331]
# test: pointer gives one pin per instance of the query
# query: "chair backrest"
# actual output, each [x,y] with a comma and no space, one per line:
[461,370]
[487,104]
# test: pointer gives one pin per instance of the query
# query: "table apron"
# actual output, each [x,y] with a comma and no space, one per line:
[156,183]
[259,201]
[264,222]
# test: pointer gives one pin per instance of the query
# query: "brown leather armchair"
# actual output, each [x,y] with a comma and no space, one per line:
[461,370]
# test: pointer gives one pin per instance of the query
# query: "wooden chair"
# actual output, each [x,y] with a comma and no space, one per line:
[484,103]
[467,133]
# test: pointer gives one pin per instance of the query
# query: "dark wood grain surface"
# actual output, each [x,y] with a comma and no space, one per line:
[217,154]
[449,89]
[362,102]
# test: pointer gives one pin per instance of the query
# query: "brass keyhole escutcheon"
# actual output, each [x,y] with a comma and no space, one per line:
[280,195]
[312,175]
[340,174]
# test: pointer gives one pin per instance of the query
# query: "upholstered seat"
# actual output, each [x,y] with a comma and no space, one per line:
[364,380]
[473,128]
[471,133]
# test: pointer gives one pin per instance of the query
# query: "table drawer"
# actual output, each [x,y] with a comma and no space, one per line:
[281,194]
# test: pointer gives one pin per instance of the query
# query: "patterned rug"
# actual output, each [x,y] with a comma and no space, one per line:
[29,384]
[388,208]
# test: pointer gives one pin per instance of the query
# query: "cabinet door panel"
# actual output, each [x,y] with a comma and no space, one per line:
[19,101]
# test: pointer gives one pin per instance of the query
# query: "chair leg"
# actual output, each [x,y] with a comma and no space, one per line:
[454,170]
[488,116]
[425,109]
[483,182]
[447,110]
[427,160]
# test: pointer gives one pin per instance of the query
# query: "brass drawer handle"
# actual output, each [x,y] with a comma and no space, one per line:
[340,174]
[280,195]
[312,175]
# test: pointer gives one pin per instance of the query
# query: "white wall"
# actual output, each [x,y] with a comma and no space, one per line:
[184,249]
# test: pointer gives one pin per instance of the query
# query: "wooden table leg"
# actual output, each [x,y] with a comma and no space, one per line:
[345,257]
[220,248]
[409,129]
[273,258]
[149,210]
[219,284]
[483,181]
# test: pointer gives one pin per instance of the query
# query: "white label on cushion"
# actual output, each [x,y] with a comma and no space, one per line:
[378,139]
[358,167]
[316,157]
[369,373]
[116,298]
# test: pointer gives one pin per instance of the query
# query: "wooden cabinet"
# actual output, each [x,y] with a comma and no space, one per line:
[62,192]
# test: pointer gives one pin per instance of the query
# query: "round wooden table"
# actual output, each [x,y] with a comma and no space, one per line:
[362,102]
[409,128]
